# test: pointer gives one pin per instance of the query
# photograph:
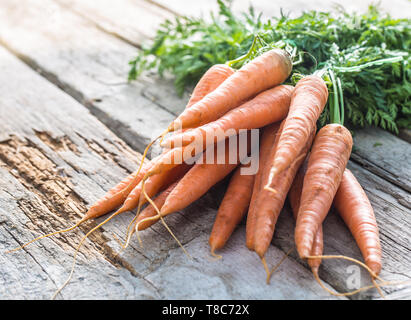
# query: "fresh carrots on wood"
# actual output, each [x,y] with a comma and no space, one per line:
[307,102]
[328,159]
[267,107]
[232,208]
[294,197]
[355,208]
[262,73]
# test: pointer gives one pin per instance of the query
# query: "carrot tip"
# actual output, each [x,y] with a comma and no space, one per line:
[216,256]
[266,270]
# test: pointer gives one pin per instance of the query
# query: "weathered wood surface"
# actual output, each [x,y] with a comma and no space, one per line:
[86,62]
[56,158]
[94,73]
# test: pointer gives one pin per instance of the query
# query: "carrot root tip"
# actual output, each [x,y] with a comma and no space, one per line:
[215,255]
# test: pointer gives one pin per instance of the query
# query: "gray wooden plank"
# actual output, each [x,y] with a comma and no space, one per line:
[384,154]
[56,159]
[230,277]
[132,20]
[86,62]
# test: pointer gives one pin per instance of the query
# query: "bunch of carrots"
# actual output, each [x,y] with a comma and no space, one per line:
[295,160]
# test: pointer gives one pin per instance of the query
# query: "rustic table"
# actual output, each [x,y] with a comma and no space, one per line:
[71,127]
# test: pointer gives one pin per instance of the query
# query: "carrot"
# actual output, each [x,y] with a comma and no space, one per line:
[354,207]
[209,82]
[116,195]
[213,77]
[328,159]
[150,211]
[269,205]
[153,185]
[294,196]
[196,182]
[200,178]
[267,107]
[262,73]
[307,102]
[232,209]
[267,142]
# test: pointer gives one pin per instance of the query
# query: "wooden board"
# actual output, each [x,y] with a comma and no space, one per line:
[87,63]
[95,77]
[56,159]
[133,21]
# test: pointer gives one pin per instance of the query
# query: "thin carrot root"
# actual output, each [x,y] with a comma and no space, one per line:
[270,273]
[161,136]
[130,232]
[350,293]
[266,269]
[138,224]
[159,215]
[372,273]
[78,248]
[274,269]
[47,235]
[215,255]
[377,286]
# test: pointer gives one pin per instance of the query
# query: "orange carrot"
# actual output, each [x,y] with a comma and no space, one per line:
[307,102]
[209,82]
[267,107]
[269,204]
[199,179]
[267,142]
[150,211]
[153,185]
[116,195]
[262,73]
[232,209]
[214,76]
[328,159]
[354,207]
[294,196]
